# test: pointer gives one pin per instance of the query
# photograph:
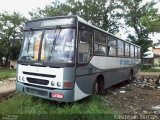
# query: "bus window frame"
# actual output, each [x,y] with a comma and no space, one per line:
[86,28]
[127,56]
[116,47]
[99,43]
[123,43]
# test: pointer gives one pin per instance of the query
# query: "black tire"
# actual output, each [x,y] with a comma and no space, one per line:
[98,88]
[95,88]
[130,79]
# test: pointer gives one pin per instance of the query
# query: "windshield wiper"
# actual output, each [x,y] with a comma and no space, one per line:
[27,57]
[55,38]
[29,40]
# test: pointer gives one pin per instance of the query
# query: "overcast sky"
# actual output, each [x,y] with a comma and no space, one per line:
[22,6]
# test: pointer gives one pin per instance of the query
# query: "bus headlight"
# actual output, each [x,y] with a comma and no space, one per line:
[19,78]
[59,84]
[23,78]
[52,83]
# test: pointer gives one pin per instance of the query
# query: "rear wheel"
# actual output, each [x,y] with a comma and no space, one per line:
[95,89]
[98,87]
[130,76]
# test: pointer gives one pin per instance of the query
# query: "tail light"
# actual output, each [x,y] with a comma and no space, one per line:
[68,84]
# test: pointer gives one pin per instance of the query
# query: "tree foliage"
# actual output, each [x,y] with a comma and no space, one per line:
[102,13]
[137,15]
[10,32]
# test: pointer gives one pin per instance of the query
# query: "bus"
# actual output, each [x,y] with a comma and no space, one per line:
[65,59]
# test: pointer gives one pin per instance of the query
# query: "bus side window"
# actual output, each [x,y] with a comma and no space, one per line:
[99,49]
[127,50]
[112,48]
[85,46]
[120,48]
[139,53]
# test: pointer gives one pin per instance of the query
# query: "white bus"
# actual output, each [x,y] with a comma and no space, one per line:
[65,59]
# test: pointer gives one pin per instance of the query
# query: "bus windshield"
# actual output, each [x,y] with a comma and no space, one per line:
[56,45]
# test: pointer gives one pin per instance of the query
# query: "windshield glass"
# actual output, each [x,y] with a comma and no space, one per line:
[31,45]
[57,45]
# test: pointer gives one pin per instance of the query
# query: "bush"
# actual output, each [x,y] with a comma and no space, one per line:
[145,67]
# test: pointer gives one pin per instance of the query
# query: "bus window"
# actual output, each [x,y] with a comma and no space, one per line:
[99,49]
[58,45]
[139,54]
[96,49]
[100,43]
[100,38]
[136,52]
[112,48]
[102,50]
[31,45]
[84,46]
[120,48]
[127,50]
[132,51]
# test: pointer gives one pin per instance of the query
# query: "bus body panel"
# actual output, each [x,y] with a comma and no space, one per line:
[84,80]
[45,74]
[27,74]
[112,73]
[114,69]
[45,93]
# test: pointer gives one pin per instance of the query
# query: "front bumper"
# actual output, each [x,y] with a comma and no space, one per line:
[45,93]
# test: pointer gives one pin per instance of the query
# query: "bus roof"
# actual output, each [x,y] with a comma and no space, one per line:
[84,22]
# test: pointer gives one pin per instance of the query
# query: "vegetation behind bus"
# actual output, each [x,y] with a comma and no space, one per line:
[149,68]
[10,35]
[7,73]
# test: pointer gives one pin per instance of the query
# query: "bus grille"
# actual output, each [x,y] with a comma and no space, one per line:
[36,92]
[38,81]
[38,74]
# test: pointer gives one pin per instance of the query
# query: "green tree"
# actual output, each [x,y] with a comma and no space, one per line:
[135,13]
[10,32]
[152,22]
[102,13]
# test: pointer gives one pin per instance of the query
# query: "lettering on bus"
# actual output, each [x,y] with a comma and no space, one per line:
[128,62]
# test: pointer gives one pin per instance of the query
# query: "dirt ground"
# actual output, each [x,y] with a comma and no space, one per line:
[141,96]
[7,88]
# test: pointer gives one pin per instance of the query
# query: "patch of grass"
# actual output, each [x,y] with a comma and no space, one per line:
[148,68]
[7,73]
[152,70]
[31,107]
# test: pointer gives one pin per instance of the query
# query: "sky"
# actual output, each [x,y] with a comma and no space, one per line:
[25,6]
[22,6]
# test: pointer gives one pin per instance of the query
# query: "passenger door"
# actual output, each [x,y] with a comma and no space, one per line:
[84,69]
